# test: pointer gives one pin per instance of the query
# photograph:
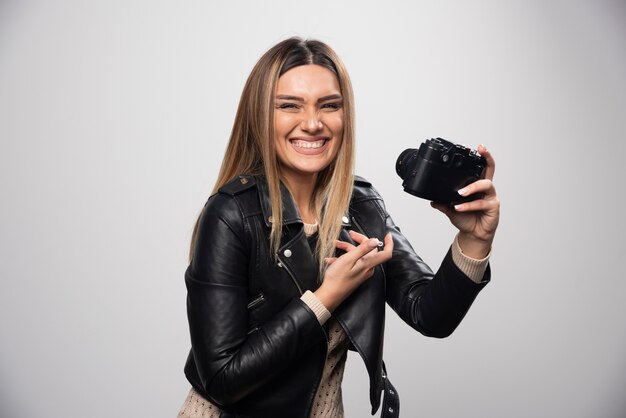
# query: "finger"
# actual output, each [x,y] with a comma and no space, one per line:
[480,186]
[490,169]
[375,257]
[483,205]
[388,243]
[369,255]
[363,249]
[357,237]
[372,260]
[330,260]
[344,246]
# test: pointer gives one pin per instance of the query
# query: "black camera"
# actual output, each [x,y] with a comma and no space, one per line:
[438,169]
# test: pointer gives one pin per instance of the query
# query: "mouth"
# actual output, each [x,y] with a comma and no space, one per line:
[309,145]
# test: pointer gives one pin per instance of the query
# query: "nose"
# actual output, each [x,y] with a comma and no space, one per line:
[311,121]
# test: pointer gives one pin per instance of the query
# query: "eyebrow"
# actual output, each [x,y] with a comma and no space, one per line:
[301,99]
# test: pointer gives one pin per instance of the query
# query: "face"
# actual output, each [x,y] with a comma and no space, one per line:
[308,121]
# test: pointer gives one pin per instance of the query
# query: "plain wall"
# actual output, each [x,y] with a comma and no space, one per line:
[114,116]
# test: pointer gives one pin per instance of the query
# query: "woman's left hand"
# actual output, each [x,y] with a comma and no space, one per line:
[476,220]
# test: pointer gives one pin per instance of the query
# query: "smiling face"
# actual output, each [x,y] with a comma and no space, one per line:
[308,121]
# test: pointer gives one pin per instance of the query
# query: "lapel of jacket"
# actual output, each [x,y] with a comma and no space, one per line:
[362,314]
[294,254]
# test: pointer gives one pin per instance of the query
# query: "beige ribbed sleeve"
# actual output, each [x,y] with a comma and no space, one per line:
[472,267]
[316,306]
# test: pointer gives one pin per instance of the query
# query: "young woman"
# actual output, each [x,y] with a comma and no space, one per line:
[293,257]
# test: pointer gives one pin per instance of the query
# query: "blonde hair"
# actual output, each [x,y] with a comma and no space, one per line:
[251,148]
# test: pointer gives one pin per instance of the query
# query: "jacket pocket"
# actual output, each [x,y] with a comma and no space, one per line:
[256,301]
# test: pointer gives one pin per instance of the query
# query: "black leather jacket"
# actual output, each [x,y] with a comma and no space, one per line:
[257,349]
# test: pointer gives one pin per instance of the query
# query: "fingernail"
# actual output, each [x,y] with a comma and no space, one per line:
[457,207]
[462,191]
[373,242]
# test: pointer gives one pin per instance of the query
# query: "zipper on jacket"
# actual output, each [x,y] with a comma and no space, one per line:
[361,230]
[283,265]
[257,300]
[356,346]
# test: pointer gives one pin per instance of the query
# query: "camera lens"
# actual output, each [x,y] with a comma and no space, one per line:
[402,164]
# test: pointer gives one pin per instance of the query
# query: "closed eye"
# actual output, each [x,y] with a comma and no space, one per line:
[288,106]
[332,106]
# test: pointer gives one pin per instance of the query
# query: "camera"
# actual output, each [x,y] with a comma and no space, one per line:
[438,169]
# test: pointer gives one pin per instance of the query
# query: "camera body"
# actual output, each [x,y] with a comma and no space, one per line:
[438,169]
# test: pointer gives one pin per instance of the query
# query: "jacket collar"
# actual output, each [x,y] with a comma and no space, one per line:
[290,211]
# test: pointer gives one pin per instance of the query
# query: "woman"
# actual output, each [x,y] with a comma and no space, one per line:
[287,271]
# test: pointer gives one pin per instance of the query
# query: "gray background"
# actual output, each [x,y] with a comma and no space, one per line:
[113,121]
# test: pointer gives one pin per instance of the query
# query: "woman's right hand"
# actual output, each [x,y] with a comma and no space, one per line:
[346,273]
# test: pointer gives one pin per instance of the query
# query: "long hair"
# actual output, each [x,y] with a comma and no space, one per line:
[252,150]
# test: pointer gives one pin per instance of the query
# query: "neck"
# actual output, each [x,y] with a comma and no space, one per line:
[301,188]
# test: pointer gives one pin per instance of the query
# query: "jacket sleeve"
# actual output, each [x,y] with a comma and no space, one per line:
[433,304]
[231,362]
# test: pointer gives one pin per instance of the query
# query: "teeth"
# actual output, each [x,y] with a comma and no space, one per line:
[308,144]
